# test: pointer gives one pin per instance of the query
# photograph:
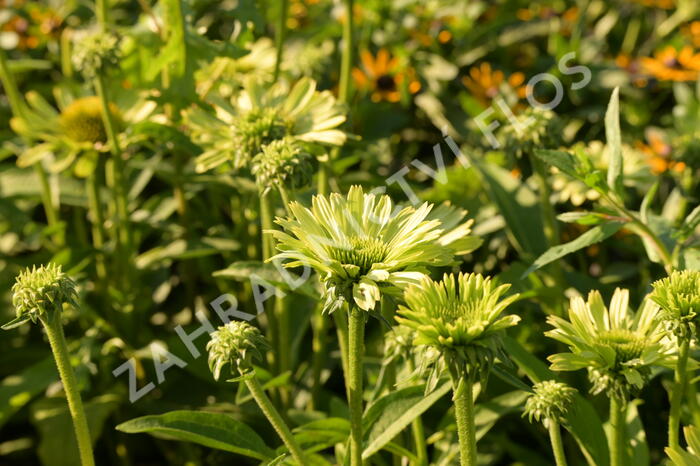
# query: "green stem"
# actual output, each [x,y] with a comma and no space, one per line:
[618,446]
[356,337]
[57,340]
[279,37]
[557,445]
[348,51]
[285,198]
[97,220]
[551,228]
[275,419]
[119,179]
[463,389]
[11,90]
[417,428]
[679,383]
[318,346]
[50,209]
[419,442]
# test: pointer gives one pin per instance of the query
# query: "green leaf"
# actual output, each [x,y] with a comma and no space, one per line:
[392,413]
[214,430]
[322,434]
[243,271]
[592,236]
[18,389]
[613,137]
[564,161]
[57,445]
[518,205]
[489,412]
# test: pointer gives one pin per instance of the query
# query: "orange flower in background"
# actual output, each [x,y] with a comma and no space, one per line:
[383,76]
[663,4]
[670,64]
[485,84]
[658,152]
[693,32]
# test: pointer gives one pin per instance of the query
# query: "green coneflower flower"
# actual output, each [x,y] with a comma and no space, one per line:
[283,163]
[359,248]
[459,316]
[550,400]
[616,346]
[679,298]
[41,291]
[239,129]
[238,344]
[81,121]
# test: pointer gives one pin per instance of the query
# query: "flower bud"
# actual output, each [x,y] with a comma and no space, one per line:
[236,343]
[550,401]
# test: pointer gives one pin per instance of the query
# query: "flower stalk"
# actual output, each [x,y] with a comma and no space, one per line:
[57,340]
[463,389]
[281,32]
[618,446]
[356,334]
[275,419]
[677,395]
[557,445]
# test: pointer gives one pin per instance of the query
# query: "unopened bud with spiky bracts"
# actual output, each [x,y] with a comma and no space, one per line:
[678,295]
[285,163]
[238,344]
[41,291]
[550,400]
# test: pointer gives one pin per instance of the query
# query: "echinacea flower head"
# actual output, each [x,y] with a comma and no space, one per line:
[360,247]
[94,51]
[283,162]
[255,117]
[82,121]
[237,343]
[618,347]
[550,400]
[678,295]
[461,317]
[41,291]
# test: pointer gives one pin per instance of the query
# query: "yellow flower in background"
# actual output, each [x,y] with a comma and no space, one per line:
[485,83]
[383,76]
[670,64]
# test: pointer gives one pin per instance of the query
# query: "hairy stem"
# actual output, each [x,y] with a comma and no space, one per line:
[555,440]
[679,384]
[57,340]
[275,419]
[463,389]
[618,446]
[356,335]
[97,220]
